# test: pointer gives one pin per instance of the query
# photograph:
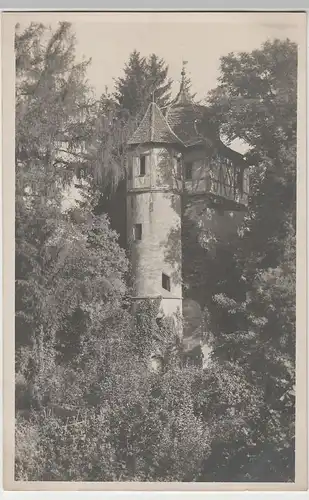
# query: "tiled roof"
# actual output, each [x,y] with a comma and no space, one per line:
[184,114]
[183,120]
[183,97]
[154,128]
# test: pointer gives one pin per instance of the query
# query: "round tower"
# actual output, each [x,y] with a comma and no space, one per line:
[215,199]
[154,187]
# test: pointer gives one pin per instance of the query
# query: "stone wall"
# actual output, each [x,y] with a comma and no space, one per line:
[152,202]
[179,234]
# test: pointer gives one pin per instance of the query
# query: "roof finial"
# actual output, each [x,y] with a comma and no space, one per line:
[183,94]
[183,73]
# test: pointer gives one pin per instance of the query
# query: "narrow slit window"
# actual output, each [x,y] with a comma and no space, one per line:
[137,232]
[80,174]
[178,167]
[188,171]
[130,172]
[142,166]
[240,180]
[166,282]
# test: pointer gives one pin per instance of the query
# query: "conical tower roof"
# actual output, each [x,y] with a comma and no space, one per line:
[183,97]
[154,129]
[184,114]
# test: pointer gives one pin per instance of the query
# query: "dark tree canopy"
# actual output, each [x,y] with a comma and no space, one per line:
[88,406]
[252,310]
[143,77]
[118,115]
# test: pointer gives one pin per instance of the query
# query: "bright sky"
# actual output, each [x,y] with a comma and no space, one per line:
[199,38]
[200,43]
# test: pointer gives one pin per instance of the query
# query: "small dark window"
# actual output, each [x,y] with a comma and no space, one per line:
[166,282]
[188,171]
[240,180]
[178,160]
[80,173]
[142,167]
[132,202]
[138,231]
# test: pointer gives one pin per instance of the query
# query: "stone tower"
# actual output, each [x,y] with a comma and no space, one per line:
[154,187]
[183,184]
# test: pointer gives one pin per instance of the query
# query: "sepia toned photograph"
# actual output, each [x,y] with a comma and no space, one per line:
[156,170]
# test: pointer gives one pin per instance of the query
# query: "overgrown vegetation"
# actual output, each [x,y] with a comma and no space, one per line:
[87,405]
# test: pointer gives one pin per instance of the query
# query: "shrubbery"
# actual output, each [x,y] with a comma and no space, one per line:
[88,405]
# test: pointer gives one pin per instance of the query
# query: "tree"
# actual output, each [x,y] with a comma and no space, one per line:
[88,406]
[69,268]
[51,114]
[159,84]
[142,77]
[106,160]
[253,312]
[111,418]
[116,117]
[256,102]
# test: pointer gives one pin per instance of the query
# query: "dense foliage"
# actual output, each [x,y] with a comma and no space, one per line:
[143,78]
[88,405]
[250,283]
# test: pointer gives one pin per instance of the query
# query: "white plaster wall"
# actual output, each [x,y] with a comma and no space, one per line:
[159,250]
[161,169]
[152,203]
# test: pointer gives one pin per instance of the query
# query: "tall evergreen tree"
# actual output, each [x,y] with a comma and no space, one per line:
[117,116]
[143,77]
[159,84]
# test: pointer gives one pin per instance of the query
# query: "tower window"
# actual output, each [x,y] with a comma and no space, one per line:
[132,202]
[166,282]
[188,171]
[142,166]
[178,167]
[240,180]
[80,174]
[138,232]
